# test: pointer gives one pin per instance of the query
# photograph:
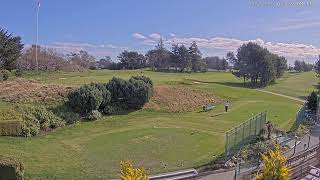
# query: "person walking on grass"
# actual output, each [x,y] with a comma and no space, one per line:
[226,106]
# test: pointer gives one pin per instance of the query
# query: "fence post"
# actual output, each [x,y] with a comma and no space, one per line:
[235,136]
[250,127]
[226,145]
[255,127]
[243,125]
[261,124]
[318,151]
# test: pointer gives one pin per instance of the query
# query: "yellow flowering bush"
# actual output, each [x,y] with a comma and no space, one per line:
[127,172]
[274,166]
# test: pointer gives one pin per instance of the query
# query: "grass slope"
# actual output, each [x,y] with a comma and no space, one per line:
[298,85]
[160,141]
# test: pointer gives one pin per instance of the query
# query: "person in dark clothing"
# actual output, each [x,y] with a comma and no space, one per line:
[226,105]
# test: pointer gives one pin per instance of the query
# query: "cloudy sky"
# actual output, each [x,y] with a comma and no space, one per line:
[290,28]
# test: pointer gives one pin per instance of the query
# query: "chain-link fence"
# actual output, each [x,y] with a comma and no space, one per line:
[244,133]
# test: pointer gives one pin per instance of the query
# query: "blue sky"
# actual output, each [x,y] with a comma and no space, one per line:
[107,27]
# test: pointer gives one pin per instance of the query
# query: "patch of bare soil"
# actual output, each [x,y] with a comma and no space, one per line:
[26,91]
[180,99]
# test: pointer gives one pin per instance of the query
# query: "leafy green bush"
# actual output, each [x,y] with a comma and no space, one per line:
[18,73]
[115,96]
[4,74]
[144,79]
[132,94]
[94,115]
[106,95]
[109,110]
[66,113]
[312,101]
[120,93]
[39,118]
[141,94]
[11,168]
[85,99]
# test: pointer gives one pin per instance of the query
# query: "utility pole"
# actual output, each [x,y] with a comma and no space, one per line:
[38,8]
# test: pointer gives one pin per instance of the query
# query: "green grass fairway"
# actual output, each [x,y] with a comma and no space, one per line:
[298,85]
[157,140]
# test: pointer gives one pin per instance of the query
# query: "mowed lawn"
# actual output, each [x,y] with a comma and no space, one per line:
[298,85]
[157,140]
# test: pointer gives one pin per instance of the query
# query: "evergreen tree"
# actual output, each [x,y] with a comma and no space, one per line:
[317,66]
[257,64]
[184,59]
[132,60]
[312,101]
[195,56]
[10,50]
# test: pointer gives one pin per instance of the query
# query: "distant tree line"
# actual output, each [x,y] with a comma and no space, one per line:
[252,62]
[217,63]
[179,59]
[302,66]
[256,64]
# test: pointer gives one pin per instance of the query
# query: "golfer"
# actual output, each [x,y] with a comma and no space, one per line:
[226,105]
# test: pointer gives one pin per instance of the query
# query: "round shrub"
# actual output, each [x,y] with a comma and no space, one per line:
[94,115]
[129,95]
[312,101]
[144,79]
[86,99]
[36,119]
[4,74]
[121,92]
[106,95]
[141,93]
[112,109]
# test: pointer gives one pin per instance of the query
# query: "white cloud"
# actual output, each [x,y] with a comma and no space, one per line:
[139,36]
[172,34]
[98,51]
[292,51]
[155,36]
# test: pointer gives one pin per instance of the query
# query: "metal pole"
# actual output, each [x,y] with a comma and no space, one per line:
[309,141]
[37,36]
[226,146]
[235,171]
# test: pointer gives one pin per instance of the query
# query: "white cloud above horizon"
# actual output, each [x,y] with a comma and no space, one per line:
[99,51]
[292,51]
[210,46]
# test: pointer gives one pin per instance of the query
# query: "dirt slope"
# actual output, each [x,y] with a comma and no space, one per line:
[23,90]
[180,99]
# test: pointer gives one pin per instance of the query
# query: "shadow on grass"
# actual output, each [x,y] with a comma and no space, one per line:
[69,116]
[216,115]
[232,84]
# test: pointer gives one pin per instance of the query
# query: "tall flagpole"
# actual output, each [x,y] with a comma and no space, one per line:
[38,7]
